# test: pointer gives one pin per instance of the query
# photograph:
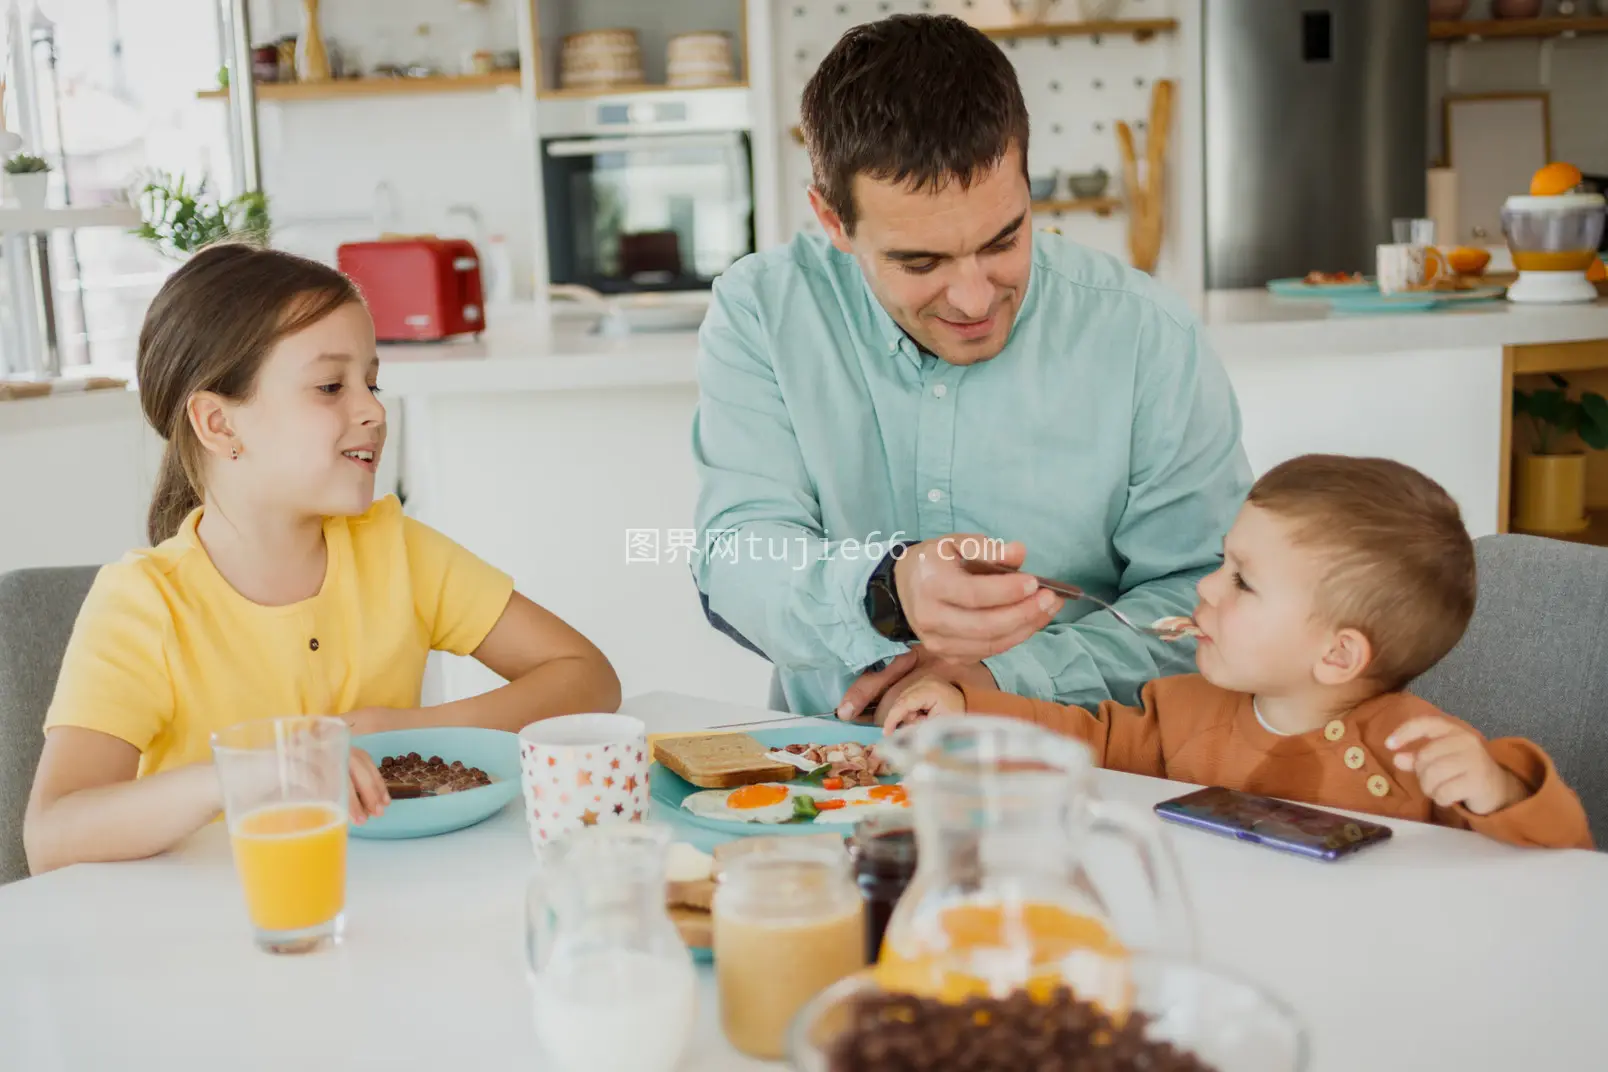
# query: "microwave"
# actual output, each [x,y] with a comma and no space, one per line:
[647,192]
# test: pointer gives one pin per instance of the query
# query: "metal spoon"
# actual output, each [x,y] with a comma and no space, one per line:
[1177,628]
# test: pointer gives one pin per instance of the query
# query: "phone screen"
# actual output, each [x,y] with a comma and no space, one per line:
[1277,824]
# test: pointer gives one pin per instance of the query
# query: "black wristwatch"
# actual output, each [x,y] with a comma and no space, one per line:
[882,604]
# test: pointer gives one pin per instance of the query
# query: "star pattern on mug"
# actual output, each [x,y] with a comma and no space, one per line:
[588,818]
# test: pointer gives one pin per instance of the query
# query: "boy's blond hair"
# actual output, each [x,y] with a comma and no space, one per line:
[1400,564]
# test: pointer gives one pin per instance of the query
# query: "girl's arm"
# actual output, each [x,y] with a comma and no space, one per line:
[551,669]
[87,807]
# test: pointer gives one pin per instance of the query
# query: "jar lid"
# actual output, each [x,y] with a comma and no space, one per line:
[1555,203]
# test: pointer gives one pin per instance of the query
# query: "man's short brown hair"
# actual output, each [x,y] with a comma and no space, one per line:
[1400,562]
[919,99]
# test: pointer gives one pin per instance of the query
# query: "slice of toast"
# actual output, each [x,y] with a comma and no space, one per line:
[697,928]
[698,894]
[721,760]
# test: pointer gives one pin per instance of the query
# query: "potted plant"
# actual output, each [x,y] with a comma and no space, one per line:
[30,177]
[180,217]
[1549,482]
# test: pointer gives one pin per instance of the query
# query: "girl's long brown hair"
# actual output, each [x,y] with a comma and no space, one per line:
[209,329]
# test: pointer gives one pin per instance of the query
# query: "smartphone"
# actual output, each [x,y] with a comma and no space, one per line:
[1294,828]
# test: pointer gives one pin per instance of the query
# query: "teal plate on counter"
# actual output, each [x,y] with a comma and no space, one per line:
[1412,303]
[1300,288]
[494,751]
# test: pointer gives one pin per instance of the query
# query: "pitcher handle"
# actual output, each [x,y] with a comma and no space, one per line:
[1162,874]
[538,924]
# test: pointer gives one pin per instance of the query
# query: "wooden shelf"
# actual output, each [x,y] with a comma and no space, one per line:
[1462,30]
[626,91]
[1100,206]
[1138,29]
[1595,534]
[344,88]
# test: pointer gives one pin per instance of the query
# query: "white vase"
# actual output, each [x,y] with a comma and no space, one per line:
[30,188]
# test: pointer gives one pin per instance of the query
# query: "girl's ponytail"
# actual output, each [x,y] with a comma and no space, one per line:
[173,500]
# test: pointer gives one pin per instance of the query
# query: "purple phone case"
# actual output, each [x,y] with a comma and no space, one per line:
[1278,824]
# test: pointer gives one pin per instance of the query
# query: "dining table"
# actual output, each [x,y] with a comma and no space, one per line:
[1436,949]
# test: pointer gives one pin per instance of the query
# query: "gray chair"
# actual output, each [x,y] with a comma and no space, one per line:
[1534,662]
[37,610]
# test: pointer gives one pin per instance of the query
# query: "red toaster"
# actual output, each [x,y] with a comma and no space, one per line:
[418,287]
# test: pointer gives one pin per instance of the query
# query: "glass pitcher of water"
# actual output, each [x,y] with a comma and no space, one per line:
[1011,877]
[612,983]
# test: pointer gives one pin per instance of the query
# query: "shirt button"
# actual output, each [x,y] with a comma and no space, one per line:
[1335,730]
[940,390]
[934,495]
[1378,786]
[1355,757]
[312,645]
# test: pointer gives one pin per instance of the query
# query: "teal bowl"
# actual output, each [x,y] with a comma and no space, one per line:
[494,751]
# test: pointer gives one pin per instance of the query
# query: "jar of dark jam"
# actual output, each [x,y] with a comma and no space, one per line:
[884,850]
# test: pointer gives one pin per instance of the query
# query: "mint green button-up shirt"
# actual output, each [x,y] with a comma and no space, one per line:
[1105,437]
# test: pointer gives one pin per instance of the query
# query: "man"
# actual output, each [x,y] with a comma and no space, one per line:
[932,379]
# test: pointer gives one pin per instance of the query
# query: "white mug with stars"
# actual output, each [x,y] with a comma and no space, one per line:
[583,770]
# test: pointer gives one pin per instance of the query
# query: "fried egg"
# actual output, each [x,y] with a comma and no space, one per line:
[763,802]
[861,802]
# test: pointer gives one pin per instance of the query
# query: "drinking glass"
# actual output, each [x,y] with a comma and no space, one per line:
[1411,232]
[285,789]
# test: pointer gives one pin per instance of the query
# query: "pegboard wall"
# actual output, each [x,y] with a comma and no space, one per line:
[1076,89]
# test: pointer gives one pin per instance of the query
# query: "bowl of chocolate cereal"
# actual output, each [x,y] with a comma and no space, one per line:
[1111,1011]
[440,779]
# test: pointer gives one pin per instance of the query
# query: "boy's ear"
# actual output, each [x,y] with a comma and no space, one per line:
[1346,660]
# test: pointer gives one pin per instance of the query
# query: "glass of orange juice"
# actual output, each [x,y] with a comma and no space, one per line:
[285,789]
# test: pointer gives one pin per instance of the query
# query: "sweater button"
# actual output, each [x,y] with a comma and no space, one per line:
[1378,786]
[1335,730]
[1355,757]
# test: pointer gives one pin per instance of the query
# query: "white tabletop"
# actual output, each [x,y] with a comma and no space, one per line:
[1438,949]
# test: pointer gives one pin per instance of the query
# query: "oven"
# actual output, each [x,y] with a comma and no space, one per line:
[647,192]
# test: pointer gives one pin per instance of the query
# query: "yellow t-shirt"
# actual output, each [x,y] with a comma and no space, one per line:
[164,651]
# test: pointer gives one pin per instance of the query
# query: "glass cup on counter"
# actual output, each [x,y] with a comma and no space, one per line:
[788,923]
[285,788]
[1412,232]
[884,852]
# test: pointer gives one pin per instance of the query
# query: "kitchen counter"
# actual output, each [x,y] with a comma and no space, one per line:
[1255,323]
[524,350]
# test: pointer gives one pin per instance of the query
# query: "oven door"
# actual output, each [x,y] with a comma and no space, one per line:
[641,212]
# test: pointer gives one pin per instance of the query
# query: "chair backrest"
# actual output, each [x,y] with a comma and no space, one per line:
[1534,662]
[37,610]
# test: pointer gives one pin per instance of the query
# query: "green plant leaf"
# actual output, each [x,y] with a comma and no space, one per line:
[1521,403]
[1548,406]
[1558,381]
[1594,420]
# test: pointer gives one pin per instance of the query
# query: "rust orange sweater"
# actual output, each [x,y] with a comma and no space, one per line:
[1189,730]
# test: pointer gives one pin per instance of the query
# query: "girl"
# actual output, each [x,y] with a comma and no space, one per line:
[277,584]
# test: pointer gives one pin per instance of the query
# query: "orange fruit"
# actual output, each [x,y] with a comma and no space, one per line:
[1598,272]
[1556,178]
[1466,260]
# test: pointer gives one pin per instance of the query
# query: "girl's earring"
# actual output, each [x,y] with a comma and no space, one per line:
[234,454]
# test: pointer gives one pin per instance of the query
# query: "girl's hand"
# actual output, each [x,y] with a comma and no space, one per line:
[1454,767]
[369,795]
[930,696]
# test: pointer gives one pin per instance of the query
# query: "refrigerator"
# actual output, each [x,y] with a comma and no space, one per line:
[1316,131]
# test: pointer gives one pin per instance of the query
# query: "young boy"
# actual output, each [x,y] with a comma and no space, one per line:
[1342,580]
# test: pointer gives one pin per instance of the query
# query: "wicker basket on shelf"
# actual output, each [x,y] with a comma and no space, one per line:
[600,59]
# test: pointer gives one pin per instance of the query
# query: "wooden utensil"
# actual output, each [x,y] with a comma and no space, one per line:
[1133,190]
[1146,199]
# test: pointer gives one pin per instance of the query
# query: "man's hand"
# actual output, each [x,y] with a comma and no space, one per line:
[964,616]
[929,696]
[1454,767]
[885,687]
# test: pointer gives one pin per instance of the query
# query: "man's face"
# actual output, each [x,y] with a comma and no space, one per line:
[949,266]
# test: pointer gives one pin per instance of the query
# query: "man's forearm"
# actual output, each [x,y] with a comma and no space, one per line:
[798,599]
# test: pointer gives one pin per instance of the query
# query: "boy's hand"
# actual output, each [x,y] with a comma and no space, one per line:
[930,696]
[1453,766]
[369,795]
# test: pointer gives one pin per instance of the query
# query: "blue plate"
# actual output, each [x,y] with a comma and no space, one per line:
[669,789]
[494,751]
[1412,303]
[1299,288]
